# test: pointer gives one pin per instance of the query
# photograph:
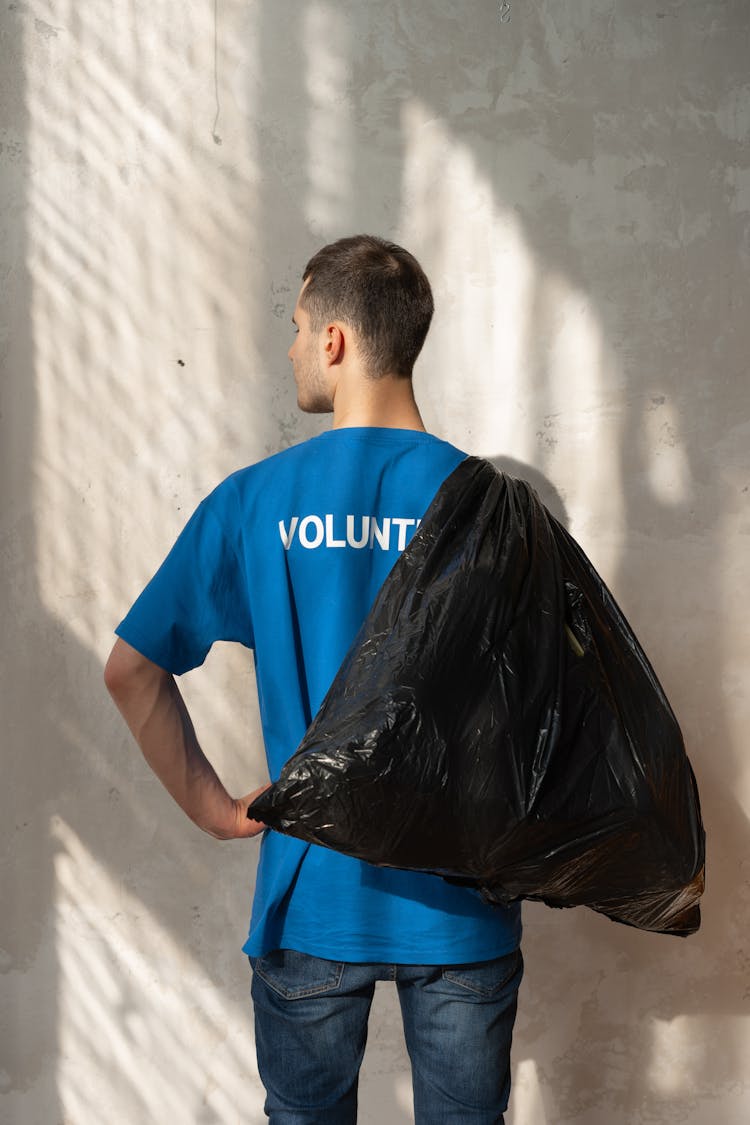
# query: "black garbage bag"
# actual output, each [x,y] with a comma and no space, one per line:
[497,723]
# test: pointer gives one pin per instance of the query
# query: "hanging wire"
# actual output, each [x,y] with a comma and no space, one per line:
[214,134]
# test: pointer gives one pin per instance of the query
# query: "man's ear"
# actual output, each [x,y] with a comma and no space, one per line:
[334,343]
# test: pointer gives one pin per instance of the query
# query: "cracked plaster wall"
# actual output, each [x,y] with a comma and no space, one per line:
[576,180]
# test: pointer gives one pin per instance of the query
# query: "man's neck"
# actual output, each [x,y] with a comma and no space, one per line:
[387,402]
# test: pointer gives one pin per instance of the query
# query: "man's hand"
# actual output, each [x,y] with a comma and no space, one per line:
[238,826]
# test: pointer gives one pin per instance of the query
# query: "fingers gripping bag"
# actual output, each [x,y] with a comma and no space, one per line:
[497,723]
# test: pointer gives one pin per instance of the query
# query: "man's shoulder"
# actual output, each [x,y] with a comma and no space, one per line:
[331,443]
[265,484]
[320,461]
[270,468]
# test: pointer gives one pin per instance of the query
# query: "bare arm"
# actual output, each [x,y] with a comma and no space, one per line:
[150,702]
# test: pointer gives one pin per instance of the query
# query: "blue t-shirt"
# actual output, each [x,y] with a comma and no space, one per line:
[286,557]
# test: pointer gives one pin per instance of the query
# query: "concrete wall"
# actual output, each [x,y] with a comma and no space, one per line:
[576,180]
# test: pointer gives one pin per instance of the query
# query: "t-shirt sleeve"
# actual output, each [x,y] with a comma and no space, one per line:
[199,595]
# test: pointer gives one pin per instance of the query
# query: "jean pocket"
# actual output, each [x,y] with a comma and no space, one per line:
[296,975]
[486,978]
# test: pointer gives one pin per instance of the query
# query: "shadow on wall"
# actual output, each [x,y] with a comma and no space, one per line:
[578,178]
[544,488]
[586,143]
[112,901]
[621,1023]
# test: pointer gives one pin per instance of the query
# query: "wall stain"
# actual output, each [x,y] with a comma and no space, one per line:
[547,433]
[46,30]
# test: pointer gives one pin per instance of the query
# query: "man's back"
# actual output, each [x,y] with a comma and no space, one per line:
[292,552]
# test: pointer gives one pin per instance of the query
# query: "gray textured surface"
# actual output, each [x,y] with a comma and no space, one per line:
[576,180]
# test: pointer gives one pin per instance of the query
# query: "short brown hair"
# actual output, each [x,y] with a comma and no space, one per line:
[380,290]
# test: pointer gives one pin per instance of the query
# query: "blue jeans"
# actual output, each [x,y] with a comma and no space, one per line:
[311,1028]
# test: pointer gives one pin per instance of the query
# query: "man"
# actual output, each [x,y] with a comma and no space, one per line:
[286,557]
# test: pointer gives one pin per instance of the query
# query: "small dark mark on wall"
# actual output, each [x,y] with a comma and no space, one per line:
[181,362]
[46,30]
